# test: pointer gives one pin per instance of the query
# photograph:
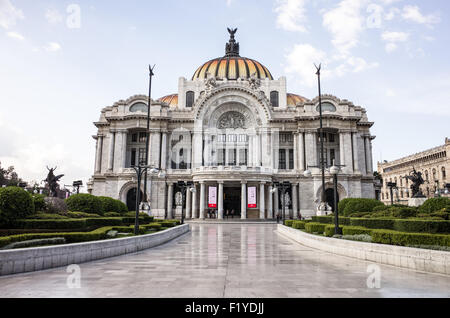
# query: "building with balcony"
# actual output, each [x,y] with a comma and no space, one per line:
[233,130]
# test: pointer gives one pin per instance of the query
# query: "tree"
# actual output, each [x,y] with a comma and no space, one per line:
[8,177]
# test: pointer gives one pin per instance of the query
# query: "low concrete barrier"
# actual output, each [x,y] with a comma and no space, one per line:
[40,258]
[412,258]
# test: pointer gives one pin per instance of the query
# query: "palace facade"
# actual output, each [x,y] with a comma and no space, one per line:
[434,164]
[233,130]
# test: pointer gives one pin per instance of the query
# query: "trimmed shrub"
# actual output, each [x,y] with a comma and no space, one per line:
[315,227]
[403,212]
[329,230]
[382,214]
[15,203]
[441,214]
[409,239]
[422,226]
[358,237]
[361,214]
[299,225]
[167,224]
[288,222]
[380,208]
[84,202]
[55,205]
[46,216]
[113,205]
[144,216]
[330,220]
[356,230]
[81,215]
[103,222]
[112,215]
[342,204]
[36,243]
[49,224]
[373,223]
[152,226]
[39,203]
[361,205]
[434,205]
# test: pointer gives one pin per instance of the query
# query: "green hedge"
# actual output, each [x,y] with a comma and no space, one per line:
[330,220]
[299,225]
[315,227]
[409,239]
[410,225]
[84,202]
[113,205]
[46,216]
[434,205]
[330,231]
[355,230]
[288,222]
[15,203]
[73,237]
[39,202]
[373,223]
[49,224]
[82,215]
[103,222]
[360,205]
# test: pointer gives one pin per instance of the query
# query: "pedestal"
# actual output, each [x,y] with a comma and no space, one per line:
[178,212]
[416,202]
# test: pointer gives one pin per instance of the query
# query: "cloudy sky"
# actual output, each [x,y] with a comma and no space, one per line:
[61,62]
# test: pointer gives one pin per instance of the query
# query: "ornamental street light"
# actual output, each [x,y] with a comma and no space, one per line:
[184,186]
[334,170]
[322,159]
[140,170]
[392,186]
[283,186]
[77,185]
[439,192]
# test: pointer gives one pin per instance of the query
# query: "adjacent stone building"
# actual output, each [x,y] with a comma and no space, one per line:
[233,130]
[434,164]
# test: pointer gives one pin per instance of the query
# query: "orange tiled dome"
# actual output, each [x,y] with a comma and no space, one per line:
[293,99]
[172,100]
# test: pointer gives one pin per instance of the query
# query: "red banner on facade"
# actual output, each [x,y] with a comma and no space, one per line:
[251,200]
[212,197]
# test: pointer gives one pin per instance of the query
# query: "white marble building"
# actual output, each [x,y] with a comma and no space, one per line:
[233,129]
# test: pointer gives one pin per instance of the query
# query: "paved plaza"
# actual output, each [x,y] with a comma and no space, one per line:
[232,261]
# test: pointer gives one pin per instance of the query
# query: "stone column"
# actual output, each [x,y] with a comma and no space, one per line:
[198,149]
[341,148]
[202,200]
[355,152]
[294,201]
[262,201]
[220,201]
[194,203]
[270,207]
[369,167]
[244,200]
[164,151]
[170,201]
[299,198]
[112,142]
[124,149]
[188,203]
[296,156]
[311,148]
[301,152]
[98,155]
[258,150]
[276,203]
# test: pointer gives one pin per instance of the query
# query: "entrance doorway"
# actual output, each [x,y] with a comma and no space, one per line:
[131,199]
[232,202]
[329,197]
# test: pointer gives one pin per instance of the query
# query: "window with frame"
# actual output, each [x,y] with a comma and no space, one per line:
[133,157]
[190,96]
[243,154]
[232,157]
[142,137]
[275,99]
[291,159]
[221,157]
[282,159]
[141,155]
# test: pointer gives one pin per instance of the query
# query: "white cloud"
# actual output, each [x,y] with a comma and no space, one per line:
[52,47]
[291,15]
[9,14]
[53,16]
[412,13]
[15,35]
[345,22]
[393,38]
[300,62]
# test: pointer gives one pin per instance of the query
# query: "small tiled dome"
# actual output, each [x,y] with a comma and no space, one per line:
[293,99]
[172,100]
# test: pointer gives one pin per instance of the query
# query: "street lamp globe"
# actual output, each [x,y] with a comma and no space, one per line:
[307,173]
[334,170]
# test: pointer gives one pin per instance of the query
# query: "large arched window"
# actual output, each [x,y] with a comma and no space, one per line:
[190,99]
[327,107]
[275,99]
[138,107]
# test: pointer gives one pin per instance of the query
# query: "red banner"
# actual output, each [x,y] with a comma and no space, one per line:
[251,200]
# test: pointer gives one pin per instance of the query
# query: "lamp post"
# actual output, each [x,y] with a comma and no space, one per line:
[334,170]
[439,192]
[322,159]
[147,139]
[140,170]
[283,186]
[184,186]
[392,186]
[77,185]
